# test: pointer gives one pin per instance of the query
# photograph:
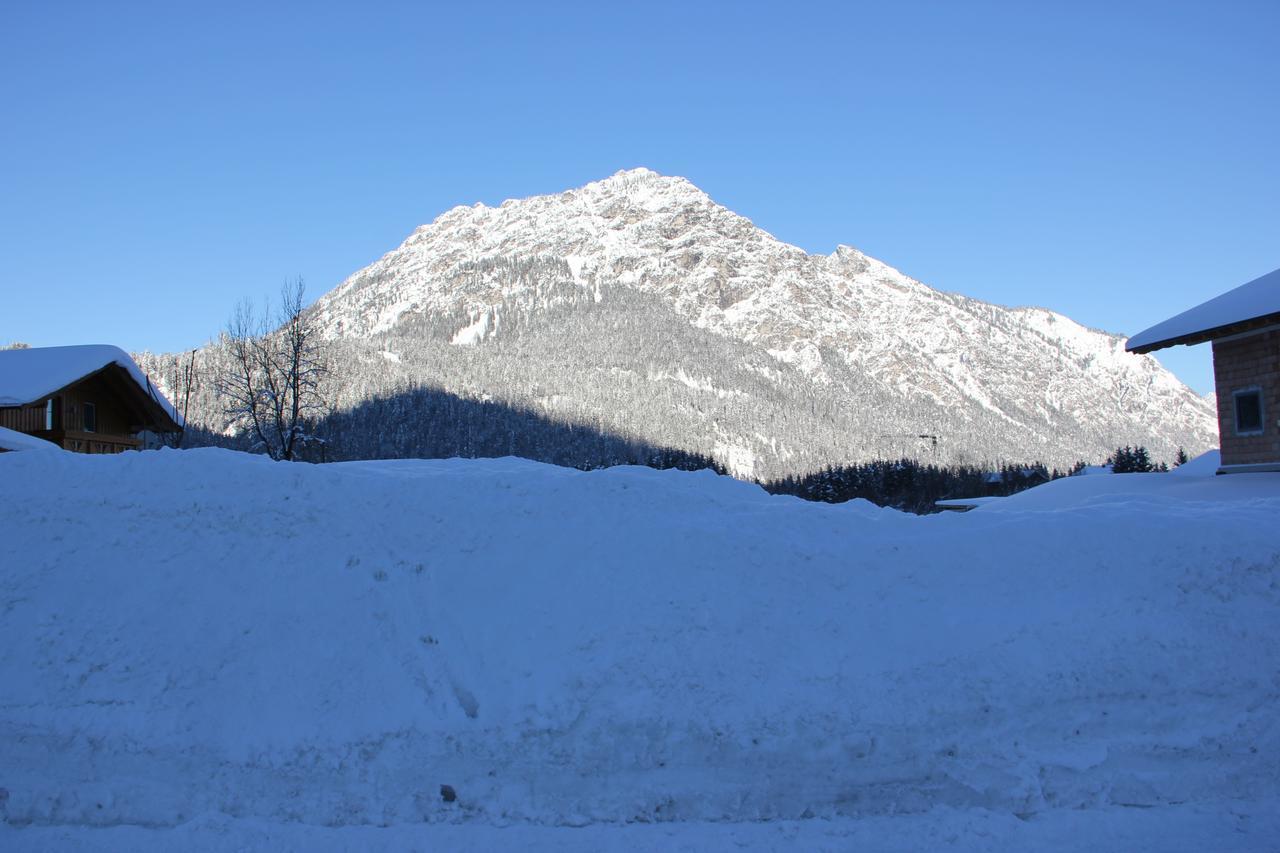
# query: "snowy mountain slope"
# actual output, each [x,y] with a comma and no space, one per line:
[212,648]
[1030,380]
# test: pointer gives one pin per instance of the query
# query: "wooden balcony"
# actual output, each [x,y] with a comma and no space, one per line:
[89,442]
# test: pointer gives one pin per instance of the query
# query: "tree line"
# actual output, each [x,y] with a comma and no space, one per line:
[268,385]
[909,485]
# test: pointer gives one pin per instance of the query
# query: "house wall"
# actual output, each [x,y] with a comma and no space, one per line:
[23,418]
[113,417]
[1243,363]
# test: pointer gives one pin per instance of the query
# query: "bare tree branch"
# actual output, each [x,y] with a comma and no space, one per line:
[274,387]
[186,377]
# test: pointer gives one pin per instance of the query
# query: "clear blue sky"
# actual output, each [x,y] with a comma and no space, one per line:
[1117,162]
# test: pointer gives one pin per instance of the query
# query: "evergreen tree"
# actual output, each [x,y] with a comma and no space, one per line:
[1131,460]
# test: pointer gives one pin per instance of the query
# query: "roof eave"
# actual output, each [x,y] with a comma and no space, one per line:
[1252,325]
[161,420]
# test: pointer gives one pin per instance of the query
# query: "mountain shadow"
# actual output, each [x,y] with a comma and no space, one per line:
[430,423]
[426,422]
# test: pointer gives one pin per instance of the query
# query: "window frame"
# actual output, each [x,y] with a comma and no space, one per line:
[1255,390]
[89,412]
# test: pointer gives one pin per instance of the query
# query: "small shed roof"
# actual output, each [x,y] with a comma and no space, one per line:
[1249,306]
[31,374]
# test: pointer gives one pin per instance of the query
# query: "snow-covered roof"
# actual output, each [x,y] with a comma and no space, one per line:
[27,375]
[14,440]
[1256,300]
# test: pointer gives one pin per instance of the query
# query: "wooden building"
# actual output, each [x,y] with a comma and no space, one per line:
[1244,326]
[88,399]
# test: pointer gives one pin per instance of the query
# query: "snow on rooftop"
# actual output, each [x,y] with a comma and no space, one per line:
[26,375]
[1258,298]
[14,440]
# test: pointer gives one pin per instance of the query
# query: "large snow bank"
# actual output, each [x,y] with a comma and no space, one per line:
[1193,488]
[28,374]
[205,650]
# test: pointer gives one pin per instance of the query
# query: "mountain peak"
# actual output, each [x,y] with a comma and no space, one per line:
[642,183]
[858,334]
[637,172]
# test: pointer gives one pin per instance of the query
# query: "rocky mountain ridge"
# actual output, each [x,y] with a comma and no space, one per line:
[638,306]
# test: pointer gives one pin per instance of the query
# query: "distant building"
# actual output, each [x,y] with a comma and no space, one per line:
[1244,325]
[88,399]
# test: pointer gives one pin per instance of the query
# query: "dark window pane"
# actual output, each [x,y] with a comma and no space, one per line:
[1249,411]
[90,417]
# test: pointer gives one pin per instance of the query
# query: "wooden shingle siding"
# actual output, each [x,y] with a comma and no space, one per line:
[113,418]
[23,418]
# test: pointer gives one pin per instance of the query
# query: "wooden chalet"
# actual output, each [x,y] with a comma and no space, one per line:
[1244,326]
[87,399]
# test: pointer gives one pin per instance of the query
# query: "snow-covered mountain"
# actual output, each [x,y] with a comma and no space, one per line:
[705,331]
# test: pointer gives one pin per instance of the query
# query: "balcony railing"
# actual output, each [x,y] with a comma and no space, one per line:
[89,442]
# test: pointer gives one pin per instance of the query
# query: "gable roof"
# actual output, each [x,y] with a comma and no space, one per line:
[1249,306]
[29,375]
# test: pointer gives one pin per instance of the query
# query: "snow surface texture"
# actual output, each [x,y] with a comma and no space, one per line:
[14,440]
[28,374]
[1250,301]
[206,650]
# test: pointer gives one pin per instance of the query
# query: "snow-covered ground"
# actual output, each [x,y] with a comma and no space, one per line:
[206,650]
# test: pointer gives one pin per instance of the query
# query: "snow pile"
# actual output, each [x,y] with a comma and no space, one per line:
[14,440]
[1192,488]
[1204,465]
[204,650]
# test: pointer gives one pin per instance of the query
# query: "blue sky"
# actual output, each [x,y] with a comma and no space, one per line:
[1116,162]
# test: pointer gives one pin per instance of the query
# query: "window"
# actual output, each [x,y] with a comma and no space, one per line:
[90,417]
[48,413]
[1248,404]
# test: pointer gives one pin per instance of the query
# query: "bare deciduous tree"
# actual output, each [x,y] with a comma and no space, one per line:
[185,380]
[274,385]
